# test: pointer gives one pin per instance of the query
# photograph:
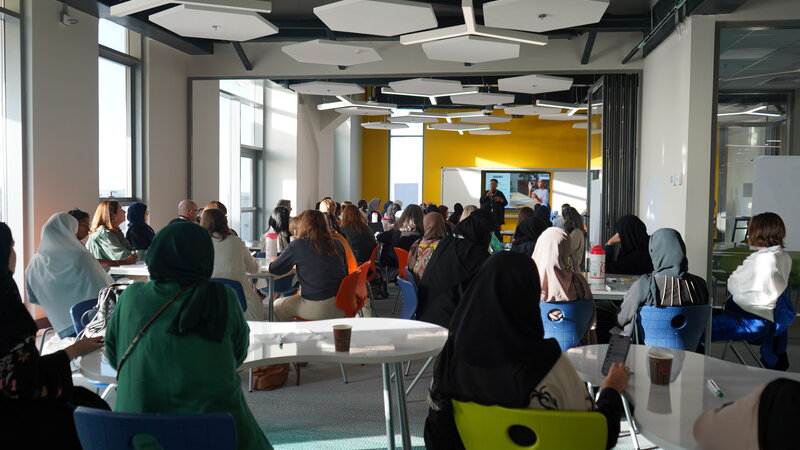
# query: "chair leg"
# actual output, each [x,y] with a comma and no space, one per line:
[753,354]
[396,299]
[344,374]
[371,300]
[250,380]
[297,374]
[108,390]
[408,368]
[44,338]
[738,355]
[419,375]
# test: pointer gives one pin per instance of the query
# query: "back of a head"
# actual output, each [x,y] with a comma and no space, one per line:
[468,210]
[668,253]
[632,232]
[327,206]
[215,222]
[443,211]
[216,204]
[552,249]
[79,214]
[279,219]
[542,211]
[766,230]
[352,218]
[362,205]
[573,221]
[477,227]
[391,211]
[285,204]
[314,226]
[186,206]
[524,213]
[58,234]
[431,208]
[411,220]
[181,252]
[104,215]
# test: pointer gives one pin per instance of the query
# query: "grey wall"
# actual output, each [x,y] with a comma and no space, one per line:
[205,141]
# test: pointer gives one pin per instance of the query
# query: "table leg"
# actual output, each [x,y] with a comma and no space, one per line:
[631,422]
[400,390]
[271,299]
[387,404]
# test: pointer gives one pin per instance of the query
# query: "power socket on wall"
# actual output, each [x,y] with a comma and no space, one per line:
[676,179]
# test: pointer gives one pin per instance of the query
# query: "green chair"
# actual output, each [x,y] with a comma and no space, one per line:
[497,428]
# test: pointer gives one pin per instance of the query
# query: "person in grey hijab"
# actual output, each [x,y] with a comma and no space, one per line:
[670,283]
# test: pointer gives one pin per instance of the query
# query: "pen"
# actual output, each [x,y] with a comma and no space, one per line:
[712,386]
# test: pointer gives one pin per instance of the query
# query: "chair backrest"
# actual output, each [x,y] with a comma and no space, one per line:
[495,427]
[402,261]
[409,291]
[237,289]
[105,430]
[373,266]
[567,322]
[678,327]
[361,288]
[410,277]
[346,296]
[77,312]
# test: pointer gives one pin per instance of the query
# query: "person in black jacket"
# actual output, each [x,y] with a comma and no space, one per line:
[357,233]
[495,202]
[139,233]
[407,230]
[633,257]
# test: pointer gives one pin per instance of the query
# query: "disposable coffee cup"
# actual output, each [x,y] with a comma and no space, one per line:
[660,367]
[341,337]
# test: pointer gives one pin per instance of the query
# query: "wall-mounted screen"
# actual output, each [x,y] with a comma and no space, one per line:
[521,188]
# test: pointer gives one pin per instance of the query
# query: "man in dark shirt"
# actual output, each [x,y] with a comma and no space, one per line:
[495,202]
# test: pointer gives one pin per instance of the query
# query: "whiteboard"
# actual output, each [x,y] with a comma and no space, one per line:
[463,185]
[775,189]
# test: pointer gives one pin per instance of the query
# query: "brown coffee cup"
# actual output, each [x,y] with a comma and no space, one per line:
[660,367]
[341,337]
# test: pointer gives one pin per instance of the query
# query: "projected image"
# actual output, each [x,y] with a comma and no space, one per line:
[521,188]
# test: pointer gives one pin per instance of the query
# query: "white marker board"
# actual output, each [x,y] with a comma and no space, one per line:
[775,189]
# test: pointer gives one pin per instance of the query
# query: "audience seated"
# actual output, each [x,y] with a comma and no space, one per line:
[187,212]
[62,273]
[496,354]
[633,257]
[762,420]
[524,213]
[181,358]
[390,216]
[321,265]
[37,396]
[494,244]
[363,207]
[573,225]
[752,311]
[558,221]
[84,223]
[232,259]
[279,222]
[421,251]
[216,204]
[139,233]
[374,215]
[526,235]
[542,211]
[458,208]
[452,267]
[358,234]
[285,204]
[106,241]
[403,234]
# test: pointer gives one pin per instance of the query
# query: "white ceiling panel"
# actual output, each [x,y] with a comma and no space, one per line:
[326,88]
[491,132]
[383,125]
[470,49]
[563,117]
[542,15]
[377,17]
[214,23]
[413,119]
[528,110]
[455,126]
[487,119]
[426,86]
[534,84]
[361,111]
[482,98]
[320,51]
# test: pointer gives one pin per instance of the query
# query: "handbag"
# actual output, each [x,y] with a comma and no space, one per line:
[269,378]
[101,313]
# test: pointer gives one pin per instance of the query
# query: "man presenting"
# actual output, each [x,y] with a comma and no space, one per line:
[495,202]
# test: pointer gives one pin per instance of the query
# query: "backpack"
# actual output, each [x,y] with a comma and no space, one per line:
[100,315]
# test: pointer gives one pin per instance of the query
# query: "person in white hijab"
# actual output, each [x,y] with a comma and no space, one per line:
[63,273]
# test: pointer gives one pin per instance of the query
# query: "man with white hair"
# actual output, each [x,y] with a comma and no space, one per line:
[187,212]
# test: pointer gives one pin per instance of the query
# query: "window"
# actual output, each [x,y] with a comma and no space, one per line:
[117,74]
[405,164]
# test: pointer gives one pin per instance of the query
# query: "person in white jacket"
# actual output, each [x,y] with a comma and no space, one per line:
[232,260]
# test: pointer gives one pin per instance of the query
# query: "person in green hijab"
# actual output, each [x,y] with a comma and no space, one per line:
[185,361]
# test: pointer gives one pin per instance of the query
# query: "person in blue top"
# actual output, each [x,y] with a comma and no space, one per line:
[139,233]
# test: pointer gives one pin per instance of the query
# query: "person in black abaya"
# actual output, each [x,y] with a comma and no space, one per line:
[633,257]
[542,211]
[37,397]
[526,235]
[496,354]
[455,217]
[453,266]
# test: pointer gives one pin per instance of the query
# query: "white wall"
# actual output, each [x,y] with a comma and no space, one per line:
[205,141]
[347,161]
[280,143]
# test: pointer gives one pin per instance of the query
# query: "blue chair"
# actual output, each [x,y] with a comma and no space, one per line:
[570,325]
[106,430]
[678,327]
[237,288]
[79,315]
[410,277]
[409,291]
[283,285]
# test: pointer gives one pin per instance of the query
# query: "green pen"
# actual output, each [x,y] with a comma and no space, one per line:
[712,386]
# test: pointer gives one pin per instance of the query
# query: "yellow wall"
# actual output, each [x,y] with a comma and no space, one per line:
[375,164]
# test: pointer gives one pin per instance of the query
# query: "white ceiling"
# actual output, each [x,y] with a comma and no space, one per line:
[361,111]
[214,23]
[542,15]
[528,110]
[483,99]
[384,125]
[470,49]
[534,84]
[491,132]
[320,51]
[454,126]
[487,119]
[327,88]
[426,86]
[563,116]
[377,17]
[413,119]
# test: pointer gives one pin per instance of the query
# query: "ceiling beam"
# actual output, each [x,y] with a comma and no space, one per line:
[248,66]
[587,50]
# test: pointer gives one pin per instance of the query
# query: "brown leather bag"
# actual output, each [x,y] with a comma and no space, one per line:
[269,378]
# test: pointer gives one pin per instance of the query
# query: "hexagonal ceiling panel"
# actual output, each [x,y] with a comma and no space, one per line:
[534,84]
[542,15]
[214,23]
[383,125]
[528,110]
[426,86]
[360,111]
[454,126]
[413,119]
[482,98]
[470,49]
[321,51]
[491,132]
[377,17]
[563,117]
[326,88]
[487,119]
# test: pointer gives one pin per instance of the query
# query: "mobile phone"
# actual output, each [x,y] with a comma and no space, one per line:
[617,352]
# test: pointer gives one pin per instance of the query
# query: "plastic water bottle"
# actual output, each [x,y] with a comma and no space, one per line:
[597,266]
[270,244]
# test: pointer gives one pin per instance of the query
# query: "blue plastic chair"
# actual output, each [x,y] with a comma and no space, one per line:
[77,312]
[410,277]
[571,326]
[409,291]
[283,285]
[237,288]
[106,430]
[678,327]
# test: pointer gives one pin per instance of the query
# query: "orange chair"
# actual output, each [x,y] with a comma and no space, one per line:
[402,262]
[362,290]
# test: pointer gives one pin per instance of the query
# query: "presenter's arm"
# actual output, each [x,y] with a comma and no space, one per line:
[485,200]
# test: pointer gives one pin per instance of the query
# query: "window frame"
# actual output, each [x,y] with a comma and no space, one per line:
[257,155]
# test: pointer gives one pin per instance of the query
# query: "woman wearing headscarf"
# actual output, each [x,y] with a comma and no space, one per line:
[452,267]
[542,211]
[455,217]
[526,234]
[186,359]
[421,251]
[63,273]
[633,257]
[374,215]
[37,397]
[765,419]
[407,230]
[573,225]
[670,283]
[494,244]
[139,233]
[559,283]
[496,354]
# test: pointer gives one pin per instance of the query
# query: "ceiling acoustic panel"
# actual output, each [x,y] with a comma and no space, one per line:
[455,126]
[413,119]
[321,51]
[534,84]
[470,49]
[563,117]
[377,17]
[542,15]
[487,119]
[491,132]
[214,23]
[427,86]
[383,125]
[362,111]
[483,99]
[326,88]
[527,110]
